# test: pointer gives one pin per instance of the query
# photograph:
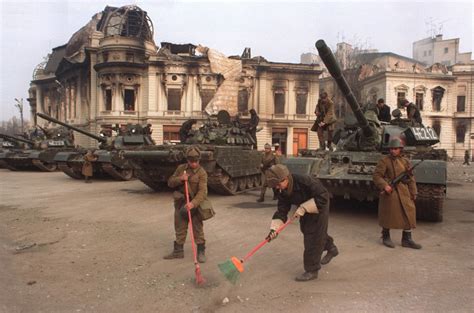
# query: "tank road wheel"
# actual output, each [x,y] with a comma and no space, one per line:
[249,181]
[45,167]
[126,174]
[242,183]
[429,202]
[257,180]
[232,185]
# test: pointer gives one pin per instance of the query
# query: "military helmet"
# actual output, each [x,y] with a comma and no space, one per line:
[276,174]
[193,154]
[396,143]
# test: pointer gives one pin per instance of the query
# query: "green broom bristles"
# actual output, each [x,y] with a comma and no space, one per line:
[230,270]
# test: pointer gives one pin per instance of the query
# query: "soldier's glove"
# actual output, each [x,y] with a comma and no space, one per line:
[300,211]
[276,223]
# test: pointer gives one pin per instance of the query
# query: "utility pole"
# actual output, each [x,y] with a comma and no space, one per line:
[19,105]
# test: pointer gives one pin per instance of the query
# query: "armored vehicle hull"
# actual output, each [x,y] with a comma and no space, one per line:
[231,169]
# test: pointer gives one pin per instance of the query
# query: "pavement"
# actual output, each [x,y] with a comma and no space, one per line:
[66,246]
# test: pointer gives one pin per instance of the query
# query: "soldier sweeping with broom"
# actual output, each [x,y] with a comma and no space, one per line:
[312,200]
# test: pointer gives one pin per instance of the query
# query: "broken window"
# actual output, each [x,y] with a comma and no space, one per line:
[279,102]
[438,93]
[446,50]
[129,100]
[460,133]
[174,99]
[419,101]
[400,98]
[461,107]
[243,101]
[301,99]
[108,99]
[437,127]
[206,96]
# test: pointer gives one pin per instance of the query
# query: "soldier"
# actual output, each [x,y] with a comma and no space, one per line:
[87,169]
[312,200]
[397,203]
[254,120]
[383,111]
[197,183]
[325,119]
[185,128]
[268,159]
[466,157]
[413,113]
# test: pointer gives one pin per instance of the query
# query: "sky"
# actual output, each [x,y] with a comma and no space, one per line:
[280,31]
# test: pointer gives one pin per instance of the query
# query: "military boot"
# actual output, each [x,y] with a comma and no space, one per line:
[178,252]
[407,242]
[386,238]
[329,255]
[201,249]
[330,147]
[307,276]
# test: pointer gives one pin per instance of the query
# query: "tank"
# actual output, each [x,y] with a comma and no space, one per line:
[41,150]
[11,145]
[227,155]
[347,171]
[110,162]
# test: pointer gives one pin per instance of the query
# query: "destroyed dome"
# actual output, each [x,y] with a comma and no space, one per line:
[127,21]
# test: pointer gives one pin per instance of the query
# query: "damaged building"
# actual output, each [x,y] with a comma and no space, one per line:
[112,72]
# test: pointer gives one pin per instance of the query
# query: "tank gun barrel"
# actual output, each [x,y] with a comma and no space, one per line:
[334,69]
[12,138]
[52,119]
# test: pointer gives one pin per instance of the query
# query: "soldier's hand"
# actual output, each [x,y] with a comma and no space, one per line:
[271,235]
[322,124]
[190,206]
[184,177]
[388,189]
[413,197]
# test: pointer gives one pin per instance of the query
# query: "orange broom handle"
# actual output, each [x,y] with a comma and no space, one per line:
[264,242]
[186,191]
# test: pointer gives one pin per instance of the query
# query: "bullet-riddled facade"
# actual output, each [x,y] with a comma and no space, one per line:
[112,72]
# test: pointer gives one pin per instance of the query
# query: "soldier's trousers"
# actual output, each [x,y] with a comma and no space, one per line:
[321,134]
[316,239]
[181,227]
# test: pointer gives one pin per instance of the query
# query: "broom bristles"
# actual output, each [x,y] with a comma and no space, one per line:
[199,279]
[231,269]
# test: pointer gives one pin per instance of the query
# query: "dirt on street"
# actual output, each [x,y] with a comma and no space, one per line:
[66,246]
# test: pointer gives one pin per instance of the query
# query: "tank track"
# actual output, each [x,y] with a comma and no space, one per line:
[118,174]
[429,202]
[69,171]
[144,178]
[225,185]
[43,166]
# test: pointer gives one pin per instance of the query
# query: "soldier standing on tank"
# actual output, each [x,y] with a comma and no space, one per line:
[312,201]
[413,114]
[396,203]
[268,159]
[87,168]
[254,120]
[325,119]
[466,158]
[185,128]
[196,176]
[383,111]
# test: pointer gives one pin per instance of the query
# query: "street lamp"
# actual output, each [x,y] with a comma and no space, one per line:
[19,105]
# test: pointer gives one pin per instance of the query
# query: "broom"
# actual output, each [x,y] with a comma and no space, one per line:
[233,267]
[199,279]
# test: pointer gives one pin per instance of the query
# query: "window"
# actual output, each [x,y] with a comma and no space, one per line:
[171,133]
[460,133]
[206,96]
[437,128]
[438,93]
[446,50]
[461,107]
[400,98]
[424,53]
[108,99]
[243,101]
[174,99]
[279,102]
[301,99]
[129,100]
[419,101]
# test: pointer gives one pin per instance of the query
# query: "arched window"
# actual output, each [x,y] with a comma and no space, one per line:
[437,97]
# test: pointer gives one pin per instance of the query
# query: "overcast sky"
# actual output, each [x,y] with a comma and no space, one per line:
[278,30]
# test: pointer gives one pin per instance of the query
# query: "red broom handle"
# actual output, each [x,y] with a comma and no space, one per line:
[186,191]
[264,242]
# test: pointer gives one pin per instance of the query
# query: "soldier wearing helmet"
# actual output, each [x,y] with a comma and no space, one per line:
[396,203]
[196,176]
[312,201]
[268,159]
